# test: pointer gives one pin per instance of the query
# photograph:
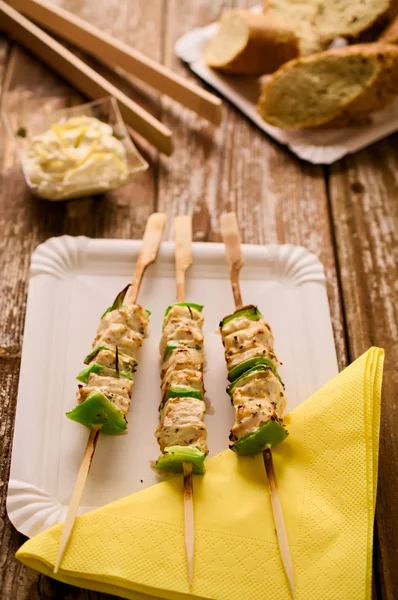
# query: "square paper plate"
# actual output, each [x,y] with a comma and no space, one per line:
[318,147]
[72,281]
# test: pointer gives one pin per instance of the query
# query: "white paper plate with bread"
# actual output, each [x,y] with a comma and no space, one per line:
[297,79]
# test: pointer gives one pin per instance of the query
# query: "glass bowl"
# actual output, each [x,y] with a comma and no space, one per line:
[23,127]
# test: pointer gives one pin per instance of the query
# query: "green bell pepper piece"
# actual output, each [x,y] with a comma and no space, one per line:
[173,344]
[98,349]
[148,312]
[183,391]
[198,307]
[98,410]
[96,368]
[118,301]
[94,353]
[248,364]
[271,433]
[259,367]
[170,347]
[174,456]
[250,311]
[106,312]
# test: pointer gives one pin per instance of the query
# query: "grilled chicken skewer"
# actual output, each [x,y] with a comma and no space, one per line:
[182,433]
[105,399]
[256,390]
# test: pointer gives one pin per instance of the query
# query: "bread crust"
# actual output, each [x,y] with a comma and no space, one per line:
[300,17]
[313,21]
[378,92]
[268,46]
[390,35]
[353,29]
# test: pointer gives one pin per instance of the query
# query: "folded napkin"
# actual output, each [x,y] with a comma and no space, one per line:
[327,475]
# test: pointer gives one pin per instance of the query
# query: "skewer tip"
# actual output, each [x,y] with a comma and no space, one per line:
[279,521]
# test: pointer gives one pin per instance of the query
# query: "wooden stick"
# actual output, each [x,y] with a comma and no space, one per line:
[183,241]
[183,257]
[189,520]
[278,516]
[147,255]
[231,238]
[83,77]
[114,52]
[77,494]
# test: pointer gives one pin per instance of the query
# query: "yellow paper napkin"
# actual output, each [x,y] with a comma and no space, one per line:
[327,474]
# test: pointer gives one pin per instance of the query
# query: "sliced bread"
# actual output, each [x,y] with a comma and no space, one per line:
[318,22]
[390,35]
[349,18]
[334,88]
[250,44]
[299,16]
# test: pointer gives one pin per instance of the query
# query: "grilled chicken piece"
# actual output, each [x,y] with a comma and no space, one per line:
[118,334]
[133,317]
[185,331]
[182,323]
[240,323]
[260,384]
[254,350]
[244,339]
[258,397]
[107,359]
[176,313]
[183,357]
[117,390]
[182,424]
[186,377]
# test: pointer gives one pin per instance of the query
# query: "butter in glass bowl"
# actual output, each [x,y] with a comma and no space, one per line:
[76,152]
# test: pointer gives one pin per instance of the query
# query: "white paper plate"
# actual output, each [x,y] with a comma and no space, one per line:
[72,281]
[318,147]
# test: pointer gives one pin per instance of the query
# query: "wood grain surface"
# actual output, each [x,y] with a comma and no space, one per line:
[364,200]
[347,215]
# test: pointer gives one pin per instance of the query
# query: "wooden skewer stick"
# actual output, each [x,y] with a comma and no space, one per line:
[278,516]
[183,257]
[183,252]
[147,255]
[189,520]
[231,238]
[77,494]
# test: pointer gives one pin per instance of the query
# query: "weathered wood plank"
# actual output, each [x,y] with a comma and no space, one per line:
[364,192]
[277,197]
[4,49]
[26,222]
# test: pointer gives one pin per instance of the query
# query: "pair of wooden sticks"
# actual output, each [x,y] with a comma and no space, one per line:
[147,255]
[112,52]
[183,260]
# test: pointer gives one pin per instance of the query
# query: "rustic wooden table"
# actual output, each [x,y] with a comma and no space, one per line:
[346,214]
